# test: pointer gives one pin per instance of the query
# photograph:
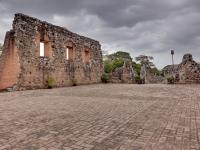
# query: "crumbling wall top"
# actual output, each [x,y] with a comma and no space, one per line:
[187,57]
[26,18]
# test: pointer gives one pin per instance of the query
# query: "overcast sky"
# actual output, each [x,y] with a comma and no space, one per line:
[150,27]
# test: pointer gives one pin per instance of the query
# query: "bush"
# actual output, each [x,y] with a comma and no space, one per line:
[111,66]
[117,63]
[108,67]
[170,80]
[136,68]
[155,71]
[105,78]
[74,82]
[138,80]
[50,82]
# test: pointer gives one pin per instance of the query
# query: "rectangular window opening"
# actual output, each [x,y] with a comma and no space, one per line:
[41,49]
[87,56]
[67,53]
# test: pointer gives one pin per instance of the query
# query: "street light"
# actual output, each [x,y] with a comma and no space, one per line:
[172,53]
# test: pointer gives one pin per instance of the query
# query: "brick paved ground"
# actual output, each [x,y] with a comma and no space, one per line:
[102,117]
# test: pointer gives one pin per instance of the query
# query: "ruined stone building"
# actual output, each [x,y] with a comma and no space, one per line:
[188,71]
[170,69]
[124,74]
[36,52]
[148,77]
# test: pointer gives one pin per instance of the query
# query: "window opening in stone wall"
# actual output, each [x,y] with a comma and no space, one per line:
[41,49]
[69,53]
[87,56]
[44,43]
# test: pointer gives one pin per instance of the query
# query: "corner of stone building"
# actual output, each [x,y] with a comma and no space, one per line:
[9,63]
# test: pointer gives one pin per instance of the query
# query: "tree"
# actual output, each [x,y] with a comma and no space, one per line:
[108,67]
[155,71]
[1,48]
[145,60]
[120,55]
[115,60]
[136,68]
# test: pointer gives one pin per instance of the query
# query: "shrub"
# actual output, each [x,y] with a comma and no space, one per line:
[138,80]
[50,82]
[155,71]
[108,67]
[117,63]
[136,68]
[111,66]
[170,80]
[105,78]
[74,82]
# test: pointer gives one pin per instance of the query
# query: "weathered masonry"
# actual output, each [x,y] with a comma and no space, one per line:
[36,52]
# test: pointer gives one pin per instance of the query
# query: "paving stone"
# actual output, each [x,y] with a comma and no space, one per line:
[102,117]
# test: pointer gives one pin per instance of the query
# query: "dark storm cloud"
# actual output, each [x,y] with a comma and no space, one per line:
[151,27]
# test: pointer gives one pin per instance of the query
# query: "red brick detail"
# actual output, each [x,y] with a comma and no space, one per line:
[9,65]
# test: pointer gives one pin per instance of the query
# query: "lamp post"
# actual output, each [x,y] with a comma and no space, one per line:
[172,53]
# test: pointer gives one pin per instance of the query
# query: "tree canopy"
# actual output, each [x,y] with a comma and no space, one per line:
[1,48]
[120,55]
[136,68]
[115,60]
[145,60]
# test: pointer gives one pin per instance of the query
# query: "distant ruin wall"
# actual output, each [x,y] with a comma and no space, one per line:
[124,74]
[188,71]
[148,77]
[68,57]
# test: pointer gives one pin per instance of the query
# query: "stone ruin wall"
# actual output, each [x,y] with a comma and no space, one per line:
[188,71]
[148,77]
[124,74]
[9,62]
[21,58]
